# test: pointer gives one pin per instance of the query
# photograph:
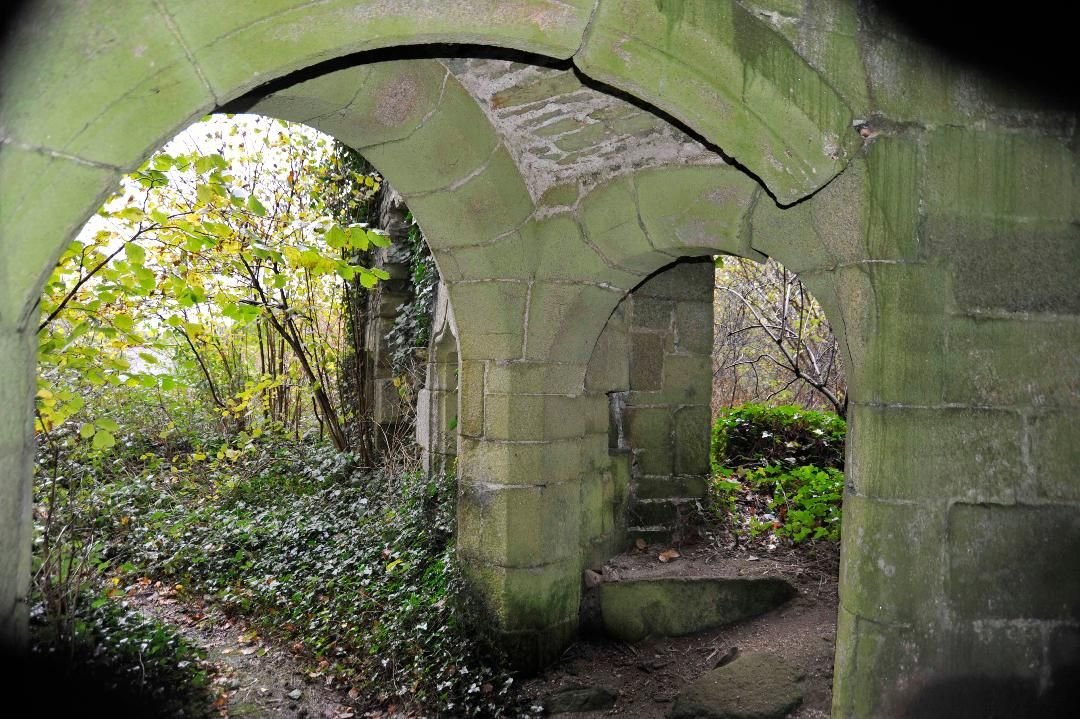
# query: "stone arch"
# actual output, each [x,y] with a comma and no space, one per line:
[146,71]
[958,349]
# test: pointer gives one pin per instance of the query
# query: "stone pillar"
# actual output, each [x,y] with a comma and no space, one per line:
[522,446]
[16,485]
[960,584]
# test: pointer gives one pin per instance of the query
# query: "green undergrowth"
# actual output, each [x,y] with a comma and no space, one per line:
[778,471]
[109,658]
[355,570]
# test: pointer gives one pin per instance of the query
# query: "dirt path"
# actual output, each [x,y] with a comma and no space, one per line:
[258,679]
[648,675]
[254,677]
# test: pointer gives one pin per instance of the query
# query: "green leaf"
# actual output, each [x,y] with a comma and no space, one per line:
[135,253]
[337,237]
[107,424]
[255,206]
[103,440]
[124,323]
[87,430]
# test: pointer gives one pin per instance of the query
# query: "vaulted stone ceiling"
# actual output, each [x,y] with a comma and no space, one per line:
[560,130]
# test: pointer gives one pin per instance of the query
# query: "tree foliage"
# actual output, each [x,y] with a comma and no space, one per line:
[773,343]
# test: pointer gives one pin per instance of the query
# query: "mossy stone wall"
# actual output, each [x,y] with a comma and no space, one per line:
[934,211]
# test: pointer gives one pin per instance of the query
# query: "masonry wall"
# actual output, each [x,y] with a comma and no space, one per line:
[932,209]
[652,364]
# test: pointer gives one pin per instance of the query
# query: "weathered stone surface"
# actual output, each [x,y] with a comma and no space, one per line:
[673,607]
[756,81]
[580,699]
[993,549]
[754,686]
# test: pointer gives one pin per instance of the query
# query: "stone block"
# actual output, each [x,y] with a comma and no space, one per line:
[687,379]
[1011,362]
[609,217]
[911,82]
[1055,455]
[1007,264]
[34,232]
[690,280]
[1014,561]
[650,313]
[788,235]
[654,513]
[471,399]
[519,526]
[510,257]
[670,487]
[526,377]
[533,463]
[242,46]
[892,199]
[609,366]
[650,427]
[529,598]
[106,82]
[533,417]
[563,255]
[646,361]
[634,610]
[395,98]
[926,455]
[689,208]
[896,574]
[490,318]
[694,328]
[489,204]
[756,83]
[595,511]
[692,439]
[566,320]
[998,175]
[894,329]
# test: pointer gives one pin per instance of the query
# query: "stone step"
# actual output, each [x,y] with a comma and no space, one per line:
[636,609]
[754,686]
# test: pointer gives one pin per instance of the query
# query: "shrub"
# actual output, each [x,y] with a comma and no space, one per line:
[779,469]
[356,568]
[756,435]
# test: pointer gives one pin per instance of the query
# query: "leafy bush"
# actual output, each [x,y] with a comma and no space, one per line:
[779,469]
[756,435]
[117,661]
[356,568]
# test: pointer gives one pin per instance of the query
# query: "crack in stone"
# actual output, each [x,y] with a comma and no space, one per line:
[170,22]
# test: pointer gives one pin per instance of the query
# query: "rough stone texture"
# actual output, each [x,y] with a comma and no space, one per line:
[634,610]
[565,132]
[754,686]
[580,699]
[944,254]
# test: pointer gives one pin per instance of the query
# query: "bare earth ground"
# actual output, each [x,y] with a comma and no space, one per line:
[256,678]
[648,675]
[253,676]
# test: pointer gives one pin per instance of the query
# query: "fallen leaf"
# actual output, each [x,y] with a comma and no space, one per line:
[354,693]
[668,555]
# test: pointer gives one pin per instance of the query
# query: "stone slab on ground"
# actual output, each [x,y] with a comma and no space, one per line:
[634,610]
[755,686]
[580,699]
